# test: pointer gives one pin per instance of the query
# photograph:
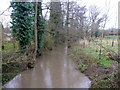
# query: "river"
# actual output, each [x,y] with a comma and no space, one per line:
[54,69]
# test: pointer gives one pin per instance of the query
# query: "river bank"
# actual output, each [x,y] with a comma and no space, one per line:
[103,73]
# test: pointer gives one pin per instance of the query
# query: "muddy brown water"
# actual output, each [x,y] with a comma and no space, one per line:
[54,69]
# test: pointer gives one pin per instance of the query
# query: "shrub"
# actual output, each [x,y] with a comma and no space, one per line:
[48,41]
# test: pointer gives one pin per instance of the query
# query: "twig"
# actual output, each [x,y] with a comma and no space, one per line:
[4,11]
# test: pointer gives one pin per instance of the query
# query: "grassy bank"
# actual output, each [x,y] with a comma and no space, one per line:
[102,72]
[14,62]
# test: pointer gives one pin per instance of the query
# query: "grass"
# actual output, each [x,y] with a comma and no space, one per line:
[102,84]
[9,46]
[9,51]
[79,53]
[104,62]
[93,53]
[83,68]
[111,37]
[94,56]
[108,44]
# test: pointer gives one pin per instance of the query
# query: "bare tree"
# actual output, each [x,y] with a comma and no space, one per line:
[94,19]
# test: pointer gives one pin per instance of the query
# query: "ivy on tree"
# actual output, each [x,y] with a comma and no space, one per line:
[22,19]
[23,23]
[40,28]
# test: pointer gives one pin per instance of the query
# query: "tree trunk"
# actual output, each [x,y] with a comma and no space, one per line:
[84,38]
[13,42]
[0,35]
[100,49]
[100,53]
[90,36]
[113,40]
[67,21]
[35,52]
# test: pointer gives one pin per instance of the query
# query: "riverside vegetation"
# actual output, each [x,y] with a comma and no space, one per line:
[102,72]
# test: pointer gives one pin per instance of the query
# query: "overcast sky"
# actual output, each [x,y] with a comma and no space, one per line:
[102,4]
